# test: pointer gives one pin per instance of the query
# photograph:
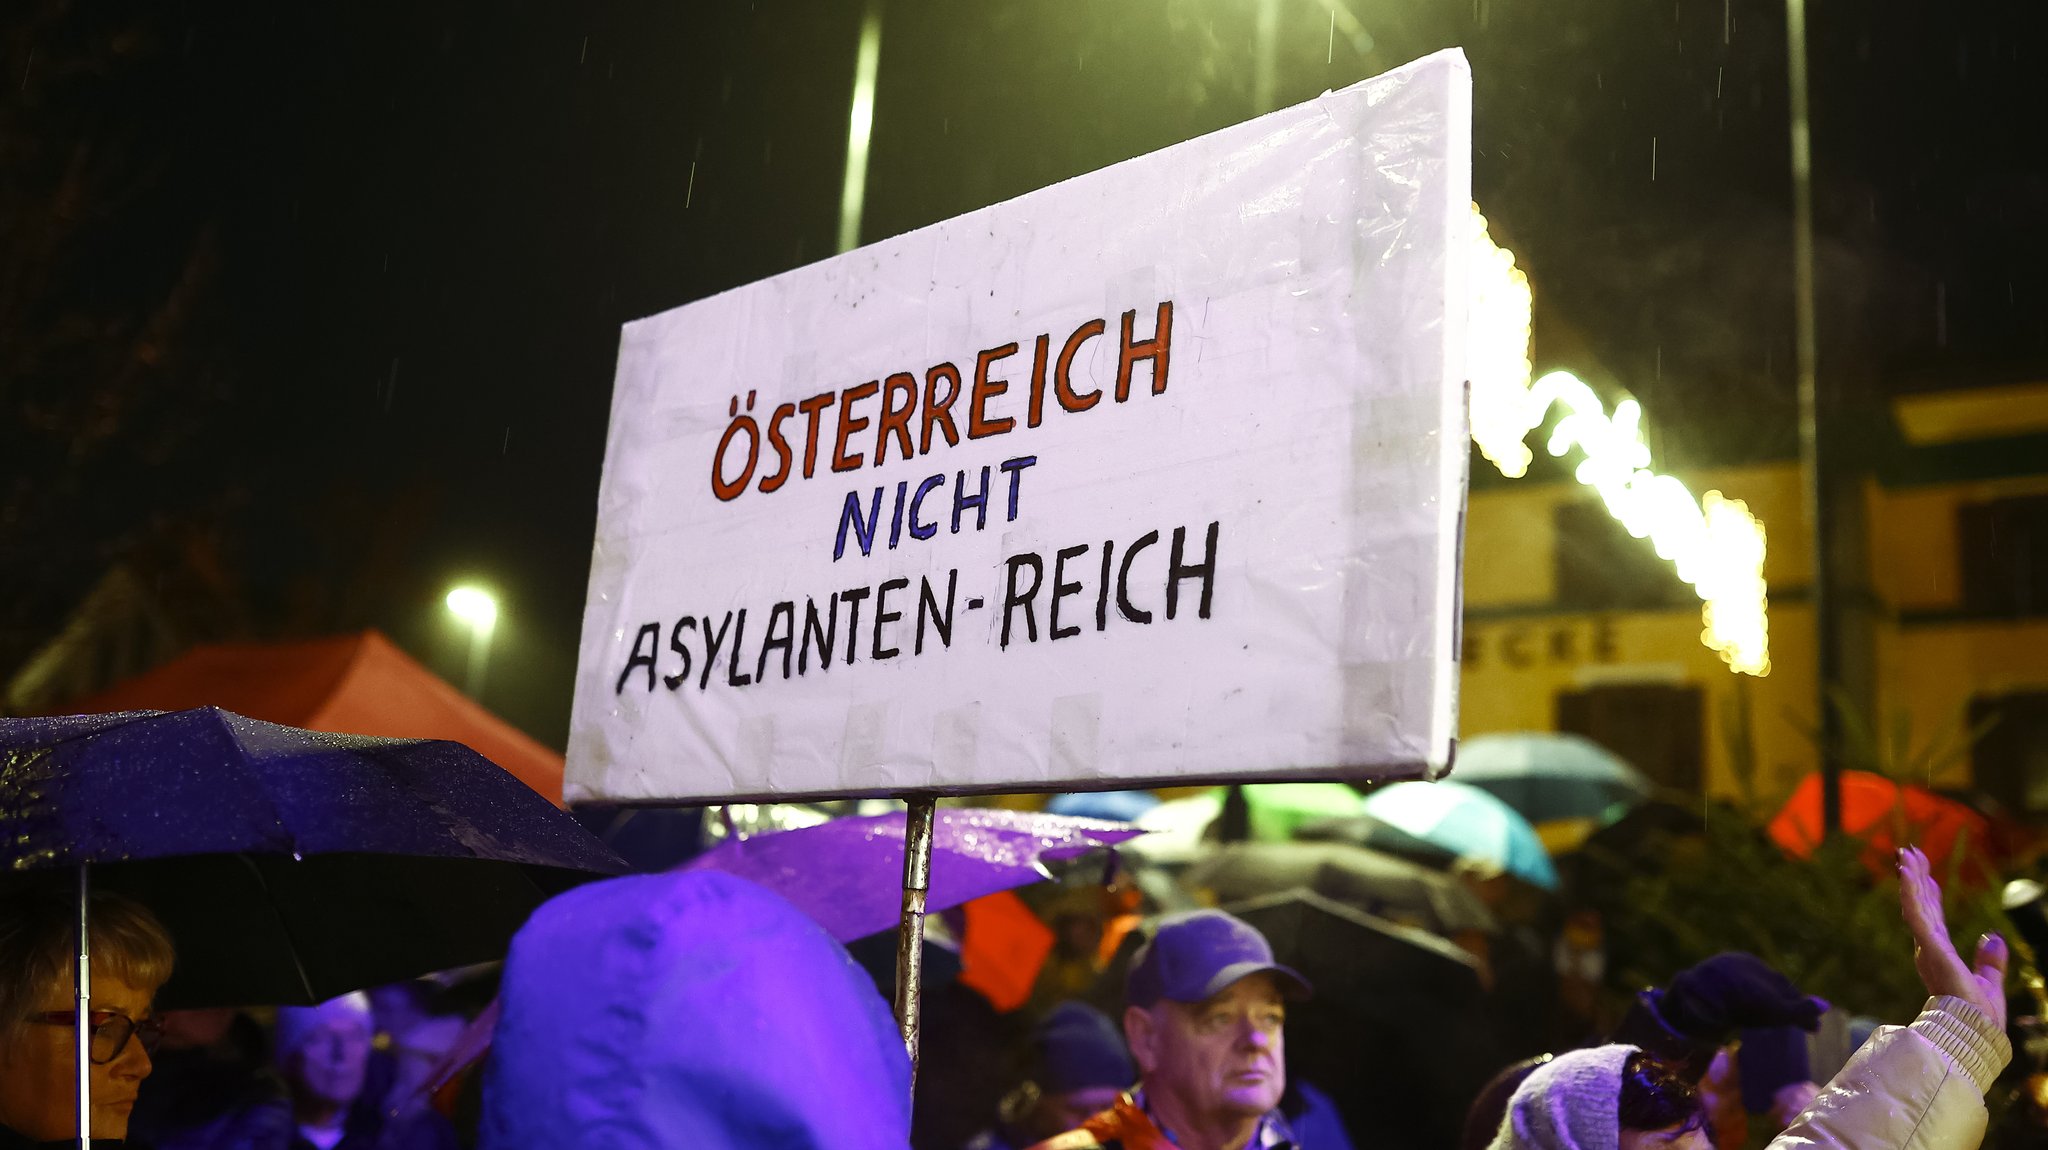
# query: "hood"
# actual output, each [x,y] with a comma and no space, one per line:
[1572,1102]
[689,1010]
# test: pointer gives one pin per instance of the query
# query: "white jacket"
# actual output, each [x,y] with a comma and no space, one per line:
[1915,1087]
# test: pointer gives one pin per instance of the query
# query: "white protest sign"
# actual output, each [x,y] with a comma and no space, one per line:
[1153,476]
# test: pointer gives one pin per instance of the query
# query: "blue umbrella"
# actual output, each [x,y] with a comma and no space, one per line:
[1109,806]
[289,866]
[1467,822]
[1548,776]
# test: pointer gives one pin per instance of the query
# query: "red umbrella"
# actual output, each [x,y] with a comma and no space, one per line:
[1886,816]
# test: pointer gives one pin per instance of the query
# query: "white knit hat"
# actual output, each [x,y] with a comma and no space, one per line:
[1572,1102]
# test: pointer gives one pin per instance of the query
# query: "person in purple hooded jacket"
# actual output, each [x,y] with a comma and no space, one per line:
[689,1010]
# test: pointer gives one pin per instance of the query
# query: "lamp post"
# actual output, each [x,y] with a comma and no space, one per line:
[478,609]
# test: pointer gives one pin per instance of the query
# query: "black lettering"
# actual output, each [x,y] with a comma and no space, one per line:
[733,675]
[1061,589]
[785,611]
[651,632]
[1012,599]
[1512,652]
[822,634]
[1102,592]
[1177,571]
[852,600]
[1605,649]
[711,645]
[884,616]
[676,644]
[1123,580]
[943,624]
[1561,645]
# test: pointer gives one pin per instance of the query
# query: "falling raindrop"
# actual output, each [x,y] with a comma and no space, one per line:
[1330,50]
[1653,159]
[584,55]
[691,189]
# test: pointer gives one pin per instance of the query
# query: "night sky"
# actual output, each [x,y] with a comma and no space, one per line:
[308,310]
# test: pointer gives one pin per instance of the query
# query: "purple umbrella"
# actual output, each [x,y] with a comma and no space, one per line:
[848,874]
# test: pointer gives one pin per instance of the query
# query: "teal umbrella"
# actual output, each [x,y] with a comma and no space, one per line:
[1465,821]
[1546,775]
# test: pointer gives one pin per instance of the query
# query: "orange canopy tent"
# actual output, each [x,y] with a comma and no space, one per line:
[359,684]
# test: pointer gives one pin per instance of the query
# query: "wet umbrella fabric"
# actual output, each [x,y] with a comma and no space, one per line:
[847,874]
[1467,822]
[1546,775]
[1397,1029]
[1379,884]
[1356,958]
[290,866]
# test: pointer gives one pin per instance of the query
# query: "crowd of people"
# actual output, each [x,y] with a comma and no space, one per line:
[347,1074]
[695,1009]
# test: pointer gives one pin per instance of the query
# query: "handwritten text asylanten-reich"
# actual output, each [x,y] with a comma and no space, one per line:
[1084,587]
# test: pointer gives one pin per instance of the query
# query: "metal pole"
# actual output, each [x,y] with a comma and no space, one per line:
[860,127]
[82,982]
[1812,460]
[917,879]
[479,657]
[1266,50]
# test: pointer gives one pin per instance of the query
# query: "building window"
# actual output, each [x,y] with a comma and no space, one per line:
[1600,566]
[2005,556]
[2010,761]
[1658,728]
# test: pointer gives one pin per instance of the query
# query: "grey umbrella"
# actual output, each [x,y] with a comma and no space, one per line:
[1358,877]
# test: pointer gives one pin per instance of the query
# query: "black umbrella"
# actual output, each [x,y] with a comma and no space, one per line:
[289,866]
[1397,1032]
[1354,957]
[1379,884]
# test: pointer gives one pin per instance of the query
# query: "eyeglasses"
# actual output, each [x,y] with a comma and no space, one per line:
[110,1031]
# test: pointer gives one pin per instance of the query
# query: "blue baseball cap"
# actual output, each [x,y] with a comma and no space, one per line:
[1195,954]
[1077,1047]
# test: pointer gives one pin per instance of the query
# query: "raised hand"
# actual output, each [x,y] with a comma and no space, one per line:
[1981,984]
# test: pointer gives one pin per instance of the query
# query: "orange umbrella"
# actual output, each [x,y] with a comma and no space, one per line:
[1887,816]
[359,684]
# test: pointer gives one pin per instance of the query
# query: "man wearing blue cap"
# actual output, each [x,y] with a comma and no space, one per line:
[1205,1003]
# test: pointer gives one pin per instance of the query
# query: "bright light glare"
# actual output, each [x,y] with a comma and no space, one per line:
[1715,543]
[474,606]
[1499,354]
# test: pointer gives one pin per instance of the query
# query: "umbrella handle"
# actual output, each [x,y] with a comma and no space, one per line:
[82,983]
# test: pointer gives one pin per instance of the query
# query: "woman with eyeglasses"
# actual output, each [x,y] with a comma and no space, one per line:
[132,957]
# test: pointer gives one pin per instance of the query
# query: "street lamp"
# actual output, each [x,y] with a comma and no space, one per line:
[478,609]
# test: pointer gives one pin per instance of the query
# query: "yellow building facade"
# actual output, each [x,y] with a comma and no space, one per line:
[1570,626]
